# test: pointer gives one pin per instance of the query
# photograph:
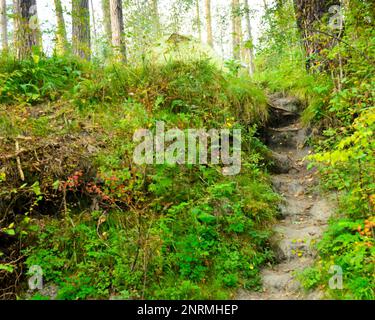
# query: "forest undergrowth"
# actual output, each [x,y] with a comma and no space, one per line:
[100,226]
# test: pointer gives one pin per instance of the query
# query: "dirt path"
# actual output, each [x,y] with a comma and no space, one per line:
[304,216]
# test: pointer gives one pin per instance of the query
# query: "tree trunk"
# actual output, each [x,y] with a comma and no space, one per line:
[81,29]
[236,30]
[250,43]
[117,24]
[61,39]
[156,19]
[93,21]
[308,13]
[199,20]
[265,5]
[210,40]
[107,20]
[26,27]
[3,25]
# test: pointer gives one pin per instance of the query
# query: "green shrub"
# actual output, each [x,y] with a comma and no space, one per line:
[38,79]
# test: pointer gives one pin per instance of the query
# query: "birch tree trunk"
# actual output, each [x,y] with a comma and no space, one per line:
[265,5]
[156,19]
[210,40]
[3,25]
[117,24]
[199,20]
[95,36]
[236,30]
[81,38]
[26,26]
[61,38]
[250,44]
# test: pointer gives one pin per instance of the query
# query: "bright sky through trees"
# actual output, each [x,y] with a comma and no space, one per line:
[219,8]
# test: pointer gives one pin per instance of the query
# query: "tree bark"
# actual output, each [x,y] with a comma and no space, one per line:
[156,19]
[210,40]
[61,38]
[81,38]
[236,30]
[308,13]
[199,20]
[93,20]
[26,27]
[3,25]
[250,45]
[107,20]
[117,24]
[265,5]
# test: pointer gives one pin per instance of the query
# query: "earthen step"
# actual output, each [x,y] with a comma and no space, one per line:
[293,242]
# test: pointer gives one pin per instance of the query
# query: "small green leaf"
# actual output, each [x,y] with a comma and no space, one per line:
[56,185]
[6,267]
[10,232]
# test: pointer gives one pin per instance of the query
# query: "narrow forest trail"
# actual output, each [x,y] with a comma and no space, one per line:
[304,212]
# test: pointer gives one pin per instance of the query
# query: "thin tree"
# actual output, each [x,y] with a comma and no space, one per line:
[3,25]
[26,27]
[222,20]
[93,20]
[117,23]
[236,30]
[107,20]
[265,5]
[197,7]
[81,38]
[61,38]
[210,40]
[156,18]
[250,41]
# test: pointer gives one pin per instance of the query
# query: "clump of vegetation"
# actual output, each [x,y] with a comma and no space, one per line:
[35,80]
[139,231]
[348,244]
[190,249]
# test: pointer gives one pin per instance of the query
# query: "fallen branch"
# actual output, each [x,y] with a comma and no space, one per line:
[22,176]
